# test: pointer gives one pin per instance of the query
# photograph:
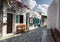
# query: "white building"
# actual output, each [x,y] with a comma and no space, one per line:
[15,14]
[10,17]
[31,21]
[53,18]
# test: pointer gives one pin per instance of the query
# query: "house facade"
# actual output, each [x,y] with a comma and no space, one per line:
[43,20]
[15,14]
[11,17]
[33,19]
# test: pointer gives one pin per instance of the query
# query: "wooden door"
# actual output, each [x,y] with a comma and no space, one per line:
[9,22]
[1,24]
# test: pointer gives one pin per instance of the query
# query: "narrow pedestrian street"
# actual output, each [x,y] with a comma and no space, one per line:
[29,20]
[31,36]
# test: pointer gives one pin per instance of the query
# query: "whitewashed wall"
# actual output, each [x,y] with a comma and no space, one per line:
[4,28]
[53,15]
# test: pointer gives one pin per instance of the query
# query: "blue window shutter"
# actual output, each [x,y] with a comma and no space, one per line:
[16,18]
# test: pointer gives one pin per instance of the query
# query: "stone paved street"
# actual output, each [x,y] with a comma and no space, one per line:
[49,37]
[36,35]
[31,36]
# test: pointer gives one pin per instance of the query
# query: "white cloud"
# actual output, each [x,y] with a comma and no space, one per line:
[39,6]
[30,3]
[43,7]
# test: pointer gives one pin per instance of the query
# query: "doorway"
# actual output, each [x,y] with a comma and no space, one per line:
[27,20]
[1,25]
[9,22]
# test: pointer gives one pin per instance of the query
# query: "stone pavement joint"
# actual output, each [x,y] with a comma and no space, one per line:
[31,36]
[44,36]
[36,35]
[47,36]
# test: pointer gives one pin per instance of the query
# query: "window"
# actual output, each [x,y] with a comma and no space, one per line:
[21,18]
[16,18]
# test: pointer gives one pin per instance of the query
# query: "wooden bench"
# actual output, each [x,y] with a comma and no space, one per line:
[21,28]
[55,35]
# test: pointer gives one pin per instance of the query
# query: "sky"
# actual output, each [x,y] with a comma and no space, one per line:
[43,1]
[37,5]
[42,6]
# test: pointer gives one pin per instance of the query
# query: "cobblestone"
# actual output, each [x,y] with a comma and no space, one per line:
[31,36]
[36,35]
